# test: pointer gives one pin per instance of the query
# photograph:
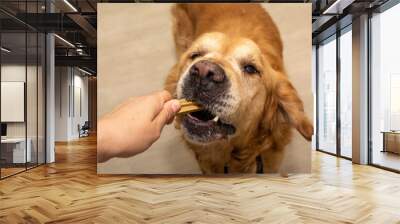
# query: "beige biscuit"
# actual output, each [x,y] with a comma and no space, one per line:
[188,106]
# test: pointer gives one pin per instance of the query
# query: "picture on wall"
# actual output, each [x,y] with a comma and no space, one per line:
[243,69]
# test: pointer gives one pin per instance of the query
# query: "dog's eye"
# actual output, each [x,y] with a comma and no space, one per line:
[194,55]
[250,69]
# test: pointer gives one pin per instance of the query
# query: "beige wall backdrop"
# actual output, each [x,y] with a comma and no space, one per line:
[135,53]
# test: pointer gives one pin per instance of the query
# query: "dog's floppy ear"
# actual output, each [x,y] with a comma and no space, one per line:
[291,106]
[183,28]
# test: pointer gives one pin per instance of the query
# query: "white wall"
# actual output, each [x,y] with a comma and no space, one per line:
[70,83]
[61,103]
[80,84]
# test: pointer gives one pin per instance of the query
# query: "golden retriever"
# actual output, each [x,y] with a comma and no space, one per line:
[230,62]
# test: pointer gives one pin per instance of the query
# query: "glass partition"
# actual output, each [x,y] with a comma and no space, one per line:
[23,91]
[14,153]
[31,100]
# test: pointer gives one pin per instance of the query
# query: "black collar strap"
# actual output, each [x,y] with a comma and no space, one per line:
[260,165]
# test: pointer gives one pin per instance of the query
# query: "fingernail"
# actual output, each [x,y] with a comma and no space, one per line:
[176,106]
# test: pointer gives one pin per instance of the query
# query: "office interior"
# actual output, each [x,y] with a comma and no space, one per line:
[48,77]
[48,81]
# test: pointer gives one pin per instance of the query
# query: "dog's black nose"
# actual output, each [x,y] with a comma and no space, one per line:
[205,81]
[209,73]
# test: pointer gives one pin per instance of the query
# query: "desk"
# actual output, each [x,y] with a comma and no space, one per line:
[13,150]
[391,141]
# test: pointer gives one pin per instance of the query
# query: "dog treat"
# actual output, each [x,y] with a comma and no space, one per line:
[188,106]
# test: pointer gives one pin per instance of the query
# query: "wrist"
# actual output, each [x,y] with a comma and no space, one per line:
[104,146]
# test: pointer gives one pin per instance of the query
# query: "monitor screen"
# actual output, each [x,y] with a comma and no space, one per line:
[3,129]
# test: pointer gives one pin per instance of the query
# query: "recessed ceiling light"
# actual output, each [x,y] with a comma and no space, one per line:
[65,41]
[70,5]
[337,7]
[84,71]
[5,50]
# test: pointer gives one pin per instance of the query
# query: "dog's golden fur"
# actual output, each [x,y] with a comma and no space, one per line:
[264,117]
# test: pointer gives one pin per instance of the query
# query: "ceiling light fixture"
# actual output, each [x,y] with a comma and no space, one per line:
[84,71]
[70,5]
[5,50]
[337,7]
[65,41]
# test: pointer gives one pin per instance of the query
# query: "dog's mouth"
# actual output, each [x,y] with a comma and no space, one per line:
[204,126]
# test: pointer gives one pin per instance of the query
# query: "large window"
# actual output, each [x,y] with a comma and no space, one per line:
[385,89]
[346,92]
[334,63]
[382,70]
[327,95]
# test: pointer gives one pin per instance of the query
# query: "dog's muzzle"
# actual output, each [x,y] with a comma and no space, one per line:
[207,84]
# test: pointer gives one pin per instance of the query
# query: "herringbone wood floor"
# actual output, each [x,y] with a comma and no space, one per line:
[69,191]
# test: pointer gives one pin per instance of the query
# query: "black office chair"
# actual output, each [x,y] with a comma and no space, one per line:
[84,130]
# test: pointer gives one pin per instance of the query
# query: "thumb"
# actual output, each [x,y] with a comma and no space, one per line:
[167,113]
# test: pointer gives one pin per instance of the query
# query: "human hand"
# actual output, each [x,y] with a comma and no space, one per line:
[134,125]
